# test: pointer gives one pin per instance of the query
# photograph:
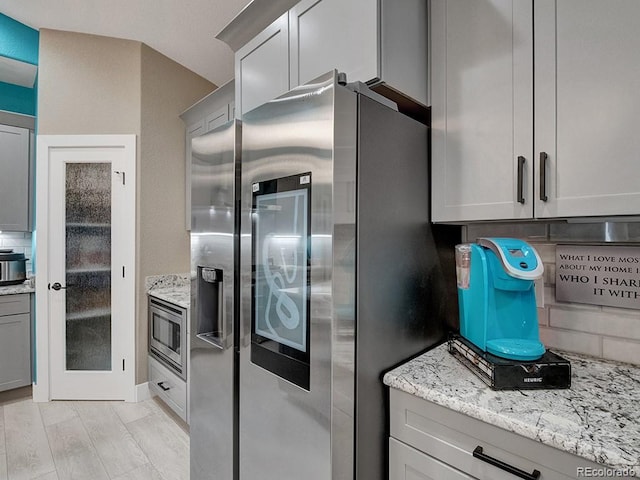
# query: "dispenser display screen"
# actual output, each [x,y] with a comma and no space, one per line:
[280,320]
[516,252]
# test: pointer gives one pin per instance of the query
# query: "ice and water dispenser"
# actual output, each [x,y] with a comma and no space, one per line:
[210,319]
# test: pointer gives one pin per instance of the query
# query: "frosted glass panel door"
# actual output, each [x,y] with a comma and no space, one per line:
[89,241]
[88,266]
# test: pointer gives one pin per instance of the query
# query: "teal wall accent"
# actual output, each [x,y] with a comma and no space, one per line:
[18,41]
[17,99]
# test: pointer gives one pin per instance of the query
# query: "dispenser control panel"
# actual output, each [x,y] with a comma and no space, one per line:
[518,258]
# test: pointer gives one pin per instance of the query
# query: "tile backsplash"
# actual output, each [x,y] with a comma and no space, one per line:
[604,332]
[20,243]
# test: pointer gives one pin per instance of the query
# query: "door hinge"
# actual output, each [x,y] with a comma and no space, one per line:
[123,364]
[122,175]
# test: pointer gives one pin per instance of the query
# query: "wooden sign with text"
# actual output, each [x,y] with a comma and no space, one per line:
[603,275]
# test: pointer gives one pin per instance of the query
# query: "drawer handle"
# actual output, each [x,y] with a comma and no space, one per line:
[160,384]
[477,453]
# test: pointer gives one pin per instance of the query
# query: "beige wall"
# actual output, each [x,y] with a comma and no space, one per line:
[163,243]
[88,84]
[98,85]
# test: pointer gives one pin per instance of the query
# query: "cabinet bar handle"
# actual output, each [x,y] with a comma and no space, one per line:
[477,453]
[543,176]
[161,385]
[521,161]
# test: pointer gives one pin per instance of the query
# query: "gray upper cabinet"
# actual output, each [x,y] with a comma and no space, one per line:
[333,34]
[383,43]
[482,109]
[587,99]
[216,118]
[207,114]
[581,159]
[262,66]
[15,179]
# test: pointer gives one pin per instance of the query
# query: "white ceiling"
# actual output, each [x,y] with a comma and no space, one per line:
[183,30]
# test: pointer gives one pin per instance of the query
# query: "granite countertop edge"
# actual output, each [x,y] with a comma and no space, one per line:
[580,420]
[172,288]
[17,289]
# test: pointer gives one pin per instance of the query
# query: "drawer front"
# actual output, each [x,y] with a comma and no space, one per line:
[406,463]
[14,304]
[174,392]
[438,431]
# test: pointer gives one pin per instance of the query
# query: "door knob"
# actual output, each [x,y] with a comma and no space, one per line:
[56,286]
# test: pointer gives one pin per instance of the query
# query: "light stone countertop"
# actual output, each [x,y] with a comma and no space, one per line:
[598,418]
[173,288]
[25,287]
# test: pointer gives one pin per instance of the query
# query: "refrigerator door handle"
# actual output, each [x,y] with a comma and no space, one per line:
[211,324]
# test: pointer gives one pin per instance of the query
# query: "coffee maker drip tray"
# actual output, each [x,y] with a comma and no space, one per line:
[549,372]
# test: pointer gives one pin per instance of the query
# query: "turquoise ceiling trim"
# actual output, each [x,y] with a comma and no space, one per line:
[18,41]
[17,99]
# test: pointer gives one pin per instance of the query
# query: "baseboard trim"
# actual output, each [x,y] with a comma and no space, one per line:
[142,392]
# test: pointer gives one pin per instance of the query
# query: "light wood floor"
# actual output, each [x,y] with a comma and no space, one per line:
[90,441]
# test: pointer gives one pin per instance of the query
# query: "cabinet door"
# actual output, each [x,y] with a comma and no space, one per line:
[262,66]
[216,119]
[194,130]
[587,72]
[169,387]
[482,109]
[333,34]
[15,341]
[406,463]
[14,179]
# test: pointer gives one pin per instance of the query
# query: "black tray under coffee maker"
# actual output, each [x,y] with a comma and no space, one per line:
[549,372]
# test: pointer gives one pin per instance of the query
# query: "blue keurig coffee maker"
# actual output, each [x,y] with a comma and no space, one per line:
[496,296]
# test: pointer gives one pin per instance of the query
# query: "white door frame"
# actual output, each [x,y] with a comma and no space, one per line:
[42,356]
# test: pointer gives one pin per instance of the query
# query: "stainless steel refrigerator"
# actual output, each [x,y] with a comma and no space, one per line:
[315,270]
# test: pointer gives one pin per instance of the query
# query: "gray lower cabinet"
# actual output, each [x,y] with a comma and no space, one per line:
[15,179]
[407,463]
[433,442]
[170,388]
[15,341]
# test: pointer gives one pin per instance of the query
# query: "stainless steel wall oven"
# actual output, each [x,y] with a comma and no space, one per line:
[168,335]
